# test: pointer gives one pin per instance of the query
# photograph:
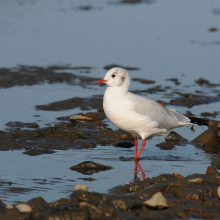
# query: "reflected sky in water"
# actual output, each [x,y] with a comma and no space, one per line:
[164,39]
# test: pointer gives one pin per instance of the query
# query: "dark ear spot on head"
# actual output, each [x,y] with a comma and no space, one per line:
[123,78]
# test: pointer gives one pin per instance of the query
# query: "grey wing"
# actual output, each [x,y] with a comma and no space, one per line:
[165,117]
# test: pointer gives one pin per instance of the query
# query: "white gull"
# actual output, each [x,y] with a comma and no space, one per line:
[140,116]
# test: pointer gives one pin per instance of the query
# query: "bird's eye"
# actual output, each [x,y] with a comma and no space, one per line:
[113,76]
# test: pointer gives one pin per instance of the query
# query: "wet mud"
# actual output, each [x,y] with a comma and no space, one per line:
[29,75]
[168,196]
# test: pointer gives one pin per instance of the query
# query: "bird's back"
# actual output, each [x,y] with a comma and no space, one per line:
[140,116]
[165,117]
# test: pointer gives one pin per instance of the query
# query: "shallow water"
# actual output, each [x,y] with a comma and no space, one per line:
[49,176]
[164,39]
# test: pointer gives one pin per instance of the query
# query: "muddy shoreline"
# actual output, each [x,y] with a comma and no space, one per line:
[167,196]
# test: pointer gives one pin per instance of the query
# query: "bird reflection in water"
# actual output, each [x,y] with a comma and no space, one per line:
[137,169]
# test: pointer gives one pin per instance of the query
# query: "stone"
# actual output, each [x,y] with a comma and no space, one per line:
[216,163]
[79,117]
[152,189]
[210,139]
[90,167]
[124,144]
[165,145]
[22,207]
[9,207]
[38,151]
[74,213]
[212,171]
[89,143]
[39,206]
[157,201]
[196,180]
[179,192]
[176,138]
[218,191]
[81,187]
[178,175]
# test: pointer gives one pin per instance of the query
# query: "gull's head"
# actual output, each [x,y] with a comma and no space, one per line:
[116,77]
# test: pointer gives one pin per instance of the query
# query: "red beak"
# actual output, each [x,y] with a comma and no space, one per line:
[100,81]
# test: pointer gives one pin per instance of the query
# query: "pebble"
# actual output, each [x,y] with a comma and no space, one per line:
[178,175]
[81,187]
[80,117]
[176,138]
[90,167]
[216,163]
[89,143]
[165,145]
[157,201]
[196,180]
[218,191]
[22,207]
[9,207]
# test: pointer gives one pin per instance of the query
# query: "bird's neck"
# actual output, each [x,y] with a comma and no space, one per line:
[112,93]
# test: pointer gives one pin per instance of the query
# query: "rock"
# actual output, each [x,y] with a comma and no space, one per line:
[9,207]
[216,163]
[212,171]
[178,175]
[210,138]
[108,67]
[90,167]
[124,204]
[14,214]
[144,81]
[74,213]
[108,209]
[152,189]
[202,81]
[196,180]
[96,115]
[106,141]
[157,201]
[64,203]
[218,191]
[38,151]
[84,196]
[193,193]
[22,124]
[124,144]
[175,80]
[176,138]
[191,100]
[39,206]
[81,187]
[165,145]
[179,192]
[22,207]
[89,143]
[94,213]
[79,117]
[209,114]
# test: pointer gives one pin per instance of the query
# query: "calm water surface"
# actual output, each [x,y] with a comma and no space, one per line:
[165,39]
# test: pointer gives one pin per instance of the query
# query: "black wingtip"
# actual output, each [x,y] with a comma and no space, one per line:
[198,121]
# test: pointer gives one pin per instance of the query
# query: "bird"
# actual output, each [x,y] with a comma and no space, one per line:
[138,115]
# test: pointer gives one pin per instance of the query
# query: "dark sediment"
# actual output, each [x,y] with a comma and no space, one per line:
[163,197]
[195,196]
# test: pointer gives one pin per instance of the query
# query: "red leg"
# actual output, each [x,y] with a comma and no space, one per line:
[136,146]
[139,152]
[135,169]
